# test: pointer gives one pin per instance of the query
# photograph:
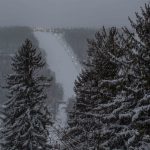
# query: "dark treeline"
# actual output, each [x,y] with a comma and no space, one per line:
[76,39]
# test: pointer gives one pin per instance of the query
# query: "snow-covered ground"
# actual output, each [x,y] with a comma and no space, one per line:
[63,62]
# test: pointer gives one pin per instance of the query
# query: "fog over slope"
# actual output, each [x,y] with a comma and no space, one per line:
[67,13]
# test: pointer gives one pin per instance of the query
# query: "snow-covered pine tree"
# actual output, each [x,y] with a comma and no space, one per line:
[95,87]
[26,122]
[139,75]
[110,53]
[130,128]
[80,123]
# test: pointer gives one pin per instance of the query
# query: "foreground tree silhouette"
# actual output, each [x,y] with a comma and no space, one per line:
[95,89]
[113,92]
[130,129]
[26,115]
[128,121]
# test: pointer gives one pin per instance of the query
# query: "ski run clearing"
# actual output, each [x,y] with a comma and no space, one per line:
[63,62]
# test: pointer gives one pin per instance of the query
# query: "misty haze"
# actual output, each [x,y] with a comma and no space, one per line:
[74,75]
[67,13]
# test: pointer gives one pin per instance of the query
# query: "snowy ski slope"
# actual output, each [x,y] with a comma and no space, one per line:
[62,61]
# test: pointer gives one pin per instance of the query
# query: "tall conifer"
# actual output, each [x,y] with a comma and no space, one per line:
[25,126]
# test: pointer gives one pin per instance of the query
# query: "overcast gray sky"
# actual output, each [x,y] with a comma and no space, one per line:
[67,13]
